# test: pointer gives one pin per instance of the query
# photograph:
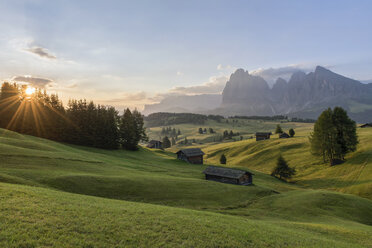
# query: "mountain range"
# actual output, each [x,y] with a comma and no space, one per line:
[303,95]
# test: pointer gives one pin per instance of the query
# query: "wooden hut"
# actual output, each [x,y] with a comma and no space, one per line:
[366,125]
[227,175]
[262,136]
[156,144]
[283,135]
[191,155]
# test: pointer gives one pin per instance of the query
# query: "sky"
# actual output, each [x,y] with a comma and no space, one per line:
[131,53]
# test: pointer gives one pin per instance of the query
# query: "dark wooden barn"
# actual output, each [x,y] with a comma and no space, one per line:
[191,155]
[366,125]
[227,175]
[156,144]
[283,135]
[262,136]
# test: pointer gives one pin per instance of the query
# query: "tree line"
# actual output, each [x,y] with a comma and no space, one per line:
[166,119]
[81,122]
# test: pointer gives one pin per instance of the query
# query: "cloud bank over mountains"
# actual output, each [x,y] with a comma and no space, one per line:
[272,74]
[215,85]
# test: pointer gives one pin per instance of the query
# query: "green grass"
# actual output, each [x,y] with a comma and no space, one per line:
[246,128]
[59,195]
[354,176]
[36,217]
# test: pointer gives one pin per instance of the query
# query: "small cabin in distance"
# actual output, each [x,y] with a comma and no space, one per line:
[191,155]
[262,136]
[227,175]
[155,144]
[283,135]
[366,125]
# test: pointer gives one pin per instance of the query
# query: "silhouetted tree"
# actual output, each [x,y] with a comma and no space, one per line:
[127,131]
[291,132]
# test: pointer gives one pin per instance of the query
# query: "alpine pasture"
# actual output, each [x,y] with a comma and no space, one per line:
[55,194]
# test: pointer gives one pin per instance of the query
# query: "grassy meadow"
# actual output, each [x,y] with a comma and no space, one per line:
[59,195]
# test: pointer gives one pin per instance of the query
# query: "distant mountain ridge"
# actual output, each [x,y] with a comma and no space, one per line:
[303,96]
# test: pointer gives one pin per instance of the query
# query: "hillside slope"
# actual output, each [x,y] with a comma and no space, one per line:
[354,176]
[36,217]
[144,175]
[148,198]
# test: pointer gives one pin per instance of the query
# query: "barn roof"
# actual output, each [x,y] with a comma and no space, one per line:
[192,152]
[284,135]
[366,125]
[225,172]
[263,133]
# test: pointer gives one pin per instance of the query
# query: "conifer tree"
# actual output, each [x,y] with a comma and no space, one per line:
[166,142]
[291,132]
[278,129]
[127,131]
[282,169]
[223,159]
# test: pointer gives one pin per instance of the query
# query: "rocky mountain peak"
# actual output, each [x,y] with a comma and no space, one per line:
[304,94]
[297,77]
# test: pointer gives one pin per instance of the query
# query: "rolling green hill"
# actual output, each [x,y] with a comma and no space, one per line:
[59,195]
[354,176]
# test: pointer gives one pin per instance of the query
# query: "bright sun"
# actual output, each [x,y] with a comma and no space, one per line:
[30,90]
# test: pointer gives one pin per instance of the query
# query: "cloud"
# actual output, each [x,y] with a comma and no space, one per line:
[29,45]
[215,85]
[42,52]
[129,97]
[37,82]
[72,85]
[179,73]
[129,100]
[271,74]
[227,67]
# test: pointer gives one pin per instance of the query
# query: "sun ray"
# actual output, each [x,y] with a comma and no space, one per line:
[36,117]
[16,115]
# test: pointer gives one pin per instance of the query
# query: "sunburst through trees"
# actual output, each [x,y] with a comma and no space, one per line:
[32,111]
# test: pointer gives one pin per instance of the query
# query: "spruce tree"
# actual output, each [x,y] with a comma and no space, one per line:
[139,124]
[223,159]
[278,129]
[282,169]
[291,132]
[127,131]
[166,142]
